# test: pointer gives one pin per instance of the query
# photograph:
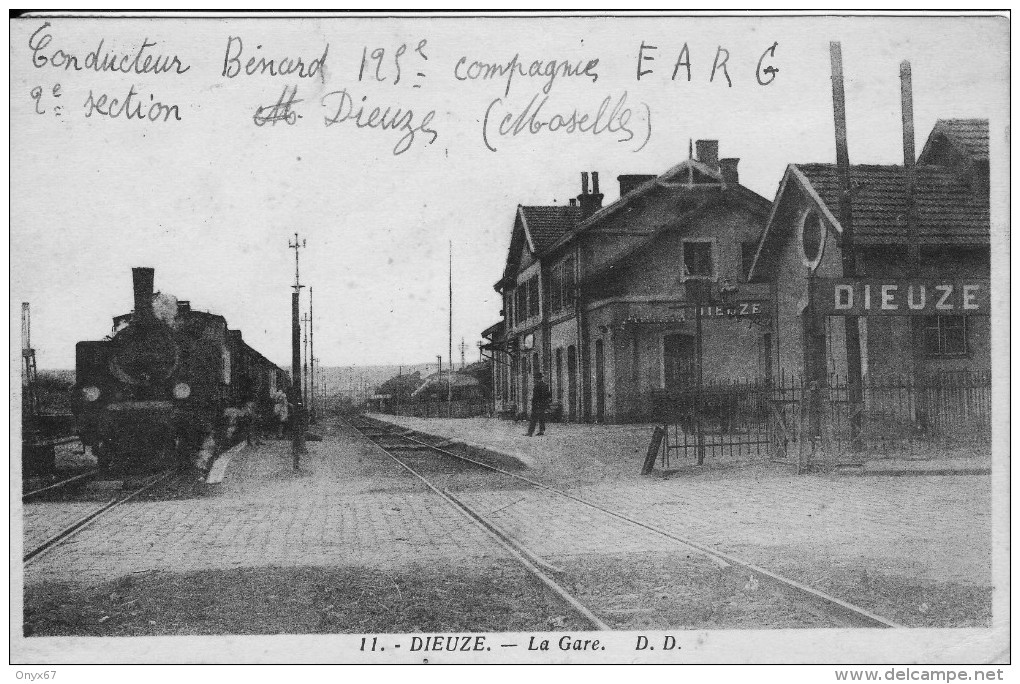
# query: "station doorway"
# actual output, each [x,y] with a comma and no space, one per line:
[679,359]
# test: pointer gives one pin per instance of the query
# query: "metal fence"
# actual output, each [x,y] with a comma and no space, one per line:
[790,420]
[945,414]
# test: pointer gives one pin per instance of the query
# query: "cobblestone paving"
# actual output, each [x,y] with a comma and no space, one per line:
[939,527]
[350,505]
[43,520]
[929,521]
[554,527]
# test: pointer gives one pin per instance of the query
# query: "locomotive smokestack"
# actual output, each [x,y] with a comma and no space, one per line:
[143,279]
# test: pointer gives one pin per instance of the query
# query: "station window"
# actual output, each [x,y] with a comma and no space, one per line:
[521,302]
[568,282]
[556,288]
[533,297]
[561,285]
[945,335]
[698,259]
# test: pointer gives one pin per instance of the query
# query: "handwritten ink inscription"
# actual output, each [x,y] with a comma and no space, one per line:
[619,117]
[612,116]
[284,109]
[378,55]
[342,106]
[101,59]
[765,72]
[274,66]
[478,70]
[130,107]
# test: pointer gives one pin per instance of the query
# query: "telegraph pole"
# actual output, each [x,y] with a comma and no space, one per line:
[913,239]
[28,368]
[439,360]
[311,352]
[450,376]
[313,364]
[853,340]
[306,380]
[298,443]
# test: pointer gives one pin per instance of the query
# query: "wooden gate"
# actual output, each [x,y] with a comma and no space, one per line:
[726,421]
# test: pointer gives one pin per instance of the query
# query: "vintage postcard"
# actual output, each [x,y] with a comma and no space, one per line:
[511,338]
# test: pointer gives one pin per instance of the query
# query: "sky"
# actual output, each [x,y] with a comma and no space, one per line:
[211,201]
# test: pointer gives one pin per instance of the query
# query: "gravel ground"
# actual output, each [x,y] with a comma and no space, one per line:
[273,600]
[653,591]
[892,590]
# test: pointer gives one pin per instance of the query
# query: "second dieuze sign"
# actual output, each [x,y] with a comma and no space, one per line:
[870,297]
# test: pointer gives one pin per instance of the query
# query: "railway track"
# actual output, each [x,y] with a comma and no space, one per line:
[404,445]
[79,479]
[86,520]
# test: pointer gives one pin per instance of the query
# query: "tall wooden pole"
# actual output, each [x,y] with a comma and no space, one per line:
[449,377]
[913,239]
[907,117]
[311,354]
[700,378]
[298,441]
[853,339]
[307,384]
[295,329]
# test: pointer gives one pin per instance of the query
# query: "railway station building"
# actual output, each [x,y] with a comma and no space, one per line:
[944,220]
[604,300]
[917,290]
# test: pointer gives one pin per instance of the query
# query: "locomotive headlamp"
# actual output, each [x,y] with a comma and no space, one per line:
[182,390]
[91,393]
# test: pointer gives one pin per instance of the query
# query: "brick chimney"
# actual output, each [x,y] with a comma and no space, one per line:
[590,202]
[630,181]
[728,166]
[708,152]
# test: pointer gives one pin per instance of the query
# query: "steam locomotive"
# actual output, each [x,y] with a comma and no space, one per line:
[170,387]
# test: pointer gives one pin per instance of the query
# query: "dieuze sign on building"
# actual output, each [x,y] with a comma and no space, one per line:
[854,297]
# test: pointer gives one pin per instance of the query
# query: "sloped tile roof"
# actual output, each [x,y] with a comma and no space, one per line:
[949,209]
[548,224]
[970,135]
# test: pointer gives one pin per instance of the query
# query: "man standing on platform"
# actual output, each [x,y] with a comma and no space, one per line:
[540,398]
[280,410]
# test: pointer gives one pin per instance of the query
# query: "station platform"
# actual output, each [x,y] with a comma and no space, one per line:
[581,453]
[568,452]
